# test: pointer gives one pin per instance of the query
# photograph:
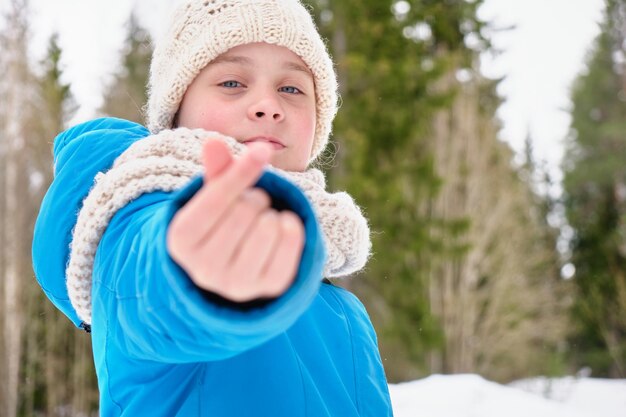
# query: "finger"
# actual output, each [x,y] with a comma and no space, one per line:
[254,252]
[216,158]
[279,273]
[205,210]
[235,225]
[244,172]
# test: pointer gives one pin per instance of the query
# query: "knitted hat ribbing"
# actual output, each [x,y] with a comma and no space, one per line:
[201,30]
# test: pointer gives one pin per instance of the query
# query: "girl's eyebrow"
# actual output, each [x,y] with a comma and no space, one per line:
[294,66]
[237,59]
[232,59]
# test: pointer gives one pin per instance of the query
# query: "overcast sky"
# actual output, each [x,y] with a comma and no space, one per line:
[540,58]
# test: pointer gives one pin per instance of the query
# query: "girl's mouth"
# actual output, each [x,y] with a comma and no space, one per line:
[275,143]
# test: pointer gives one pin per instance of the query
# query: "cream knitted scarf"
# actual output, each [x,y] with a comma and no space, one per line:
[166,162]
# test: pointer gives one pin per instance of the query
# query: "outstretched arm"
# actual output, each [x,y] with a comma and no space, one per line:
[143,299]
[172,269]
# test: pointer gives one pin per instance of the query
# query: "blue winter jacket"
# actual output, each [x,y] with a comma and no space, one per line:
[164,347]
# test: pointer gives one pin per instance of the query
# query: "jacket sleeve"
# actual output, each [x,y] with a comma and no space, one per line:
[151,307]
[79,154]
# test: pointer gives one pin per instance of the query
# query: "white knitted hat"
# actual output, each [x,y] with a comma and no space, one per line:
[201,30]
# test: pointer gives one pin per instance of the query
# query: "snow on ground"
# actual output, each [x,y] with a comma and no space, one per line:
[473,396]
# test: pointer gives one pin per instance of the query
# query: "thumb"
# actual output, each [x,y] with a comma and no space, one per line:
[216,158]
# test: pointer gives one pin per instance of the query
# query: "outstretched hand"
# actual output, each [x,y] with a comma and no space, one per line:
[228,238]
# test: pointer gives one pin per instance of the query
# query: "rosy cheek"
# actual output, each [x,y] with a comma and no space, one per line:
[211,120]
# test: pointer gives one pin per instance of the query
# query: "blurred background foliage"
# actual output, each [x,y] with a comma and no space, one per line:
[465,274]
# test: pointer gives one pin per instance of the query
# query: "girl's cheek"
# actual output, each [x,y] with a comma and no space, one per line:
[213,120]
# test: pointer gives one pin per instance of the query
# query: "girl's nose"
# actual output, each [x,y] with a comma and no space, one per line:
[266,108]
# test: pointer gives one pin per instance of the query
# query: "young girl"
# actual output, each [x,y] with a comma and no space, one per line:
[195,251]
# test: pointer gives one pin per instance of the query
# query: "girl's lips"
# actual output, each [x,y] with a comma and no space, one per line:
[275,143]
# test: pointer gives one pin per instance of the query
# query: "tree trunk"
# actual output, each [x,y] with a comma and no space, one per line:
[12,284]
[15,76]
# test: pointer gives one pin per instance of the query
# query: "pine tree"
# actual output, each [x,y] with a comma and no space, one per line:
[39,354]
[16,89]
[127,94]
[503,278]
[54,349]
[418,149]
[389,55]
[595,186]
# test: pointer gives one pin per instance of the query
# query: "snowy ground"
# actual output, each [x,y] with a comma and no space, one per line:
[473,396]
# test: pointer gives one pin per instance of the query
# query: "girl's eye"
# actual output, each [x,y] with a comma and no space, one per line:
[290,90]
[231,84]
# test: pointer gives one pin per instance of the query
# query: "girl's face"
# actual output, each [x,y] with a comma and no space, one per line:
[256,93]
